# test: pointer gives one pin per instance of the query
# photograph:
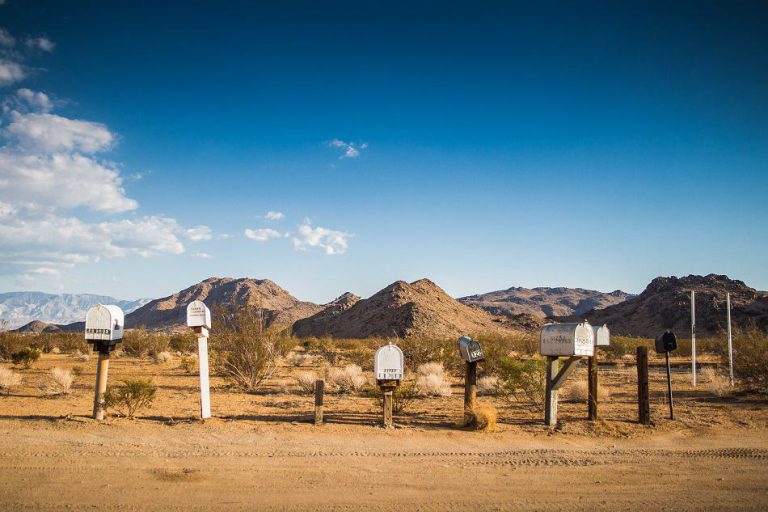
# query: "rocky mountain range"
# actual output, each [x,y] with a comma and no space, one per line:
[19,308]
[665,304]
[544,302]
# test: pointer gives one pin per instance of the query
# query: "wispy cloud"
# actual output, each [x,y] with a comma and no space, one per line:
[202,255]
[350,149]
[40,43]
[198,233]
[330,240]
[262,235]
[270,215]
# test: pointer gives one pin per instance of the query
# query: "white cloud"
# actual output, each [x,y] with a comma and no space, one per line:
[351,149]
[198,233]
[274,215]
[11,72]
[332,241]
[61,181]
[262,235]
[35,100]
[41,43]
[203,255]
[6,39]
[50,133]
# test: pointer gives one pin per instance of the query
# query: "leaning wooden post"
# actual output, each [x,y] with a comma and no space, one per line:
[103,329]
[199,319]
[643,396]
[550,398]
[593,385]
[319,393]
[389,368]
[471,353]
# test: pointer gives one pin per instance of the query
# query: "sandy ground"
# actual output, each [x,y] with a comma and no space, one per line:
[260,452]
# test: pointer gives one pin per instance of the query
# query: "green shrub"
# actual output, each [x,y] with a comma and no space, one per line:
[402,396]
[525,380]
[11,342]
[139,343]
[750,356]
[130,396]
[26,356]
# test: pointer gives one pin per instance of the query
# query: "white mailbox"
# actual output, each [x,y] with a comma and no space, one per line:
[602,335]
[567,340]
[198,314]
[104,323]
[389,363]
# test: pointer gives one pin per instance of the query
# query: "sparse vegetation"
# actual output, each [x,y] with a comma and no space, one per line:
[432,381]
[524,380]
[163,357]
[306,382]
[750,356]
[402,396]
[346,380]
[715,382]
[484,417]
[188,363]
[488,385]
[139,343]
[9,380]
[130,396]
[58,382]
[184,343]
[26,356]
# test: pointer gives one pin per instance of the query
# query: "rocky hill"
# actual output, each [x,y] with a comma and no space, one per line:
[20,308]
[666,304]
[37,327]
[281,308]
[315,323]
[418,309]
[544,302]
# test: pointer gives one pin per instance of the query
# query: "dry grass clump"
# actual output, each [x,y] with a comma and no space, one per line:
[488,385]
[188,363]
[9,380]
[298,359]
[432,381]
[306,382]
[578,391]
[485,417]
[715,382]
[58,382]
[347,379]
[80,357]
[163,357]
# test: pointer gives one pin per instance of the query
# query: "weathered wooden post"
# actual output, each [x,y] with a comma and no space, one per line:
[104,327]
[319,394]
[199,319]
[471,353]
[643,396]
[666,343]
[602,339]
[389,368]
[573,340]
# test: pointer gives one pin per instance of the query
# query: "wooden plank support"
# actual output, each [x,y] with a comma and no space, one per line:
[643,395]
[319,394]
[565,371]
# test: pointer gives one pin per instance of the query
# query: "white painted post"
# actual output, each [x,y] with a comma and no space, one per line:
[730,336]
[205,388]
[693,335]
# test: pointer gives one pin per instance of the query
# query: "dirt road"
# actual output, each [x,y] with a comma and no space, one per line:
[225,465]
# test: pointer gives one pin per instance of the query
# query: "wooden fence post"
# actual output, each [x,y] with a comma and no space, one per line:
[593,386]
[101,385]
[643,395]
[470,394]
[319,391]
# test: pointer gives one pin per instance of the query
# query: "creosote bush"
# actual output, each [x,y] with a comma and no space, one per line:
[58,382]
[750,356]
[130,396]
[524,380]
[306,382]
[26,356]
[346,380]
[244,350]
[139,343]
[402,396]
[9,380]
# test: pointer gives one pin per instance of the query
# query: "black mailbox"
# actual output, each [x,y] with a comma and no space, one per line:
[667,342]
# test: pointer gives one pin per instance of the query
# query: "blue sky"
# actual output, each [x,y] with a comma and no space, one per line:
[481,145]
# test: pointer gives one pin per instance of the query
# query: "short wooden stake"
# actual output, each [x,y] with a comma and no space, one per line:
[550,405]
[205,386]
[593,397]
[643,395]
[388,408]
[101,386]
[319,393]
[470,394]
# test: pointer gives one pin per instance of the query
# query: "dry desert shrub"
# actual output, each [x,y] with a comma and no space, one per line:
[524,380]
[402,396]
[163,357]
[715,382]
[55,350]
[9,380]
[578,391]
[188,363]
[130,396]
[488,385]
[750,356]
[347,379]
[58,382]
[26,356]
[431,380]
[81,357]
[138,342]
[485,417]
[306,382]
[297,359]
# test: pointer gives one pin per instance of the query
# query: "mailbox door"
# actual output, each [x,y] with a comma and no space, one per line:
[98,324]
[388,363]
